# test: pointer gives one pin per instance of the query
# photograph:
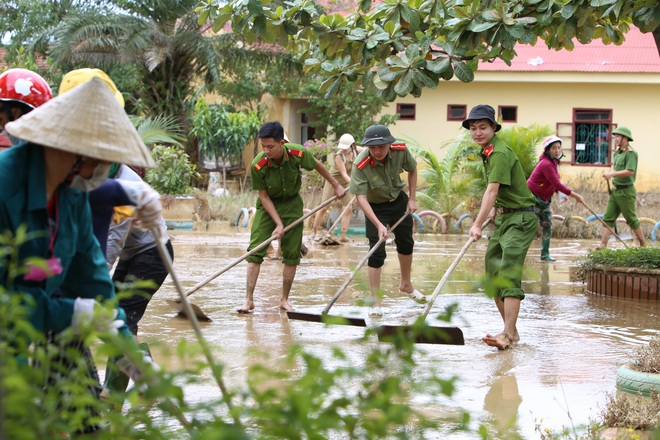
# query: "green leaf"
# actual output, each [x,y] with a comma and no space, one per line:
[491,15]
[333,88]
[463,72]
[388,75]
[480,27]
[405,84]
[255,8]
[421,80]
[599,3]
[220,22]
[438,65]
[259,25]
[527,21]
[365,5]
[569,10]
[379,83]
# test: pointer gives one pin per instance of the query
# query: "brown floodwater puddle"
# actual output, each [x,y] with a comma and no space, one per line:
[571,342]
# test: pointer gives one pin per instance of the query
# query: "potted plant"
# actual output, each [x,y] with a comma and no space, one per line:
[632,273]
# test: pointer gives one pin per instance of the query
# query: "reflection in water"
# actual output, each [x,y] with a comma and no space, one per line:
[503,399]
[572,342]
[545,278]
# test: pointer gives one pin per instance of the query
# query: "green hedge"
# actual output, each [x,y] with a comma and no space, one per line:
[640,258]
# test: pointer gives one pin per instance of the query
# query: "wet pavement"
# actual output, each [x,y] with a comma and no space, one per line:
[571,344]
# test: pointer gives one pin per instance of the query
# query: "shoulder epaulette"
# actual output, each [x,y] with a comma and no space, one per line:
[259,165]
[398,147]
[363,163]
[297,153]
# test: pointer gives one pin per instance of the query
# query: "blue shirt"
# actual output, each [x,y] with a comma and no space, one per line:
[23,202]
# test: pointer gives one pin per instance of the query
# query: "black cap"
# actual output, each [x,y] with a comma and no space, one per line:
[377,135]
[481,111]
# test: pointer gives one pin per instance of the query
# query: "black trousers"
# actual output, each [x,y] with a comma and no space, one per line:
[146,265]
[389,213]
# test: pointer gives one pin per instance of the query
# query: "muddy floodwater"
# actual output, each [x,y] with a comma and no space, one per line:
[571,342]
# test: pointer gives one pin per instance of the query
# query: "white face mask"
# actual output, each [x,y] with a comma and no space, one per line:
[99,176]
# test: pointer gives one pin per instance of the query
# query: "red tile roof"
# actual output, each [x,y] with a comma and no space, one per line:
[638,53]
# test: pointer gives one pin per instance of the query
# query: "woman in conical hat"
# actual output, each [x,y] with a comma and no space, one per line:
[70,138]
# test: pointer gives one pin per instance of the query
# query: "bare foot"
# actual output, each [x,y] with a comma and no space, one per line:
[284,305]
[345,239]
[247,307]
[501,341]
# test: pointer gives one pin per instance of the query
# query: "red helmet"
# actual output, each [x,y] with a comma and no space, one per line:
[24,86]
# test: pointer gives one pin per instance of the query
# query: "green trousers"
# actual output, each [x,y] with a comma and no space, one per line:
[622,201]
[289,210]
[507,249]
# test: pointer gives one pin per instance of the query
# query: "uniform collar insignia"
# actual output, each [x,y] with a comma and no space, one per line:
[488,150]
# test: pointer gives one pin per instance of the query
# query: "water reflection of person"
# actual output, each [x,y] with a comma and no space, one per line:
[545,279]
[503,400]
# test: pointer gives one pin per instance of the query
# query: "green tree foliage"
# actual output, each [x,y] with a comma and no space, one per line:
[405,46]
[161,38]
[448,187]
[223,135]
[23,22]
[351,110]
[158,130]
[173,173]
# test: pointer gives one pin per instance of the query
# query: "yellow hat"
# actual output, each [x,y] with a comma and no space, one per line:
[79,76]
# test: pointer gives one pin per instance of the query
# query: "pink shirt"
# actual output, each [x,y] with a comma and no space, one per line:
[544,181]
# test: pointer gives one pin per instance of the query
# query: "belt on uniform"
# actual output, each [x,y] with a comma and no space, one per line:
[622,186]
[510,210]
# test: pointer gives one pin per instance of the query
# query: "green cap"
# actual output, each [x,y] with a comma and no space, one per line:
[624,131]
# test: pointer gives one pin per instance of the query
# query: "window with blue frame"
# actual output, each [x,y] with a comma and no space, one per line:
[592,141]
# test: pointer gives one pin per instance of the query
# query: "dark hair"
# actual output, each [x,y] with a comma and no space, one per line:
[272,130]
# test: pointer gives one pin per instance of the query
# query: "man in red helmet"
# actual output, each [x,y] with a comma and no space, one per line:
[21,91]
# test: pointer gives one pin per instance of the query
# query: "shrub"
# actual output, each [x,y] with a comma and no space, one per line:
[174,172]
[640,258]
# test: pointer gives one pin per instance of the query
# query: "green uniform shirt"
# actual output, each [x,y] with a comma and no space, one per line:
[624,160]
[501,165]
[381,182]
[281,180]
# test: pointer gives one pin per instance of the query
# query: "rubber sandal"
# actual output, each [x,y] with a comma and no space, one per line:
[415,295]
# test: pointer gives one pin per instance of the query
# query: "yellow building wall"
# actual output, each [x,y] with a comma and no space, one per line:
[546,99]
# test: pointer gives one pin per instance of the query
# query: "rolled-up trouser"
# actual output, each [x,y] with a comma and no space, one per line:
[622,201]
[389,213]
[507,249]
[289,210]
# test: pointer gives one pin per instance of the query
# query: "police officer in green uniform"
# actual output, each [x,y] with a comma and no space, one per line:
[277,176]
[623,195]
[376,181]
[515,226]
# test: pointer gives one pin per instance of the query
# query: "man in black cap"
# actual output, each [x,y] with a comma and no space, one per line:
[376,181]
[515,227]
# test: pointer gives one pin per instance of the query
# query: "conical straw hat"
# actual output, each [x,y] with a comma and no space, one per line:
[87,121]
